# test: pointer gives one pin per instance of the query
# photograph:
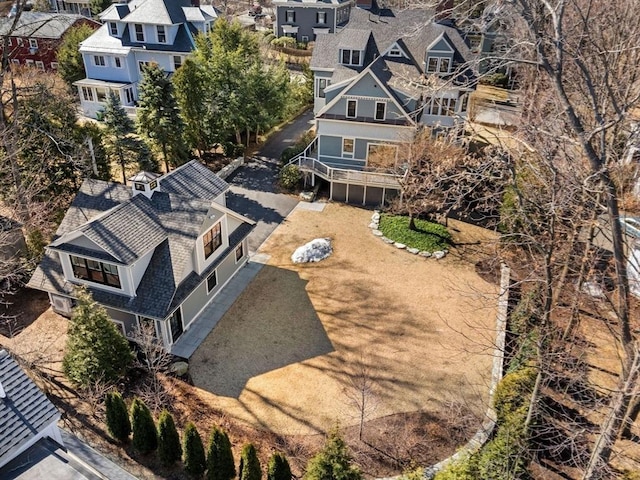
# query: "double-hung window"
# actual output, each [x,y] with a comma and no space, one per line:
[33,43]
[113,29]
[352,108]
[87,94]
[321,18]
[381,108]
[139,29]
[347,146]
[291,16]
[322,84]
[117,62]
[212,281]
[162,35]
[212,240]
[177,62]
[350,57]
[99,61]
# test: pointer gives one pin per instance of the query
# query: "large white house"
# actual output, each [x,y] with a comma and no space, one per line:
[133,35]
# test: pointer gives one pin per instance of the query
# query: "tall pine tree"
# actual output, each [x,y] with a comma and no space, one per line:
[95,349]
[220,465]
[121,144]
[169,448]
[159,117]
[195,462]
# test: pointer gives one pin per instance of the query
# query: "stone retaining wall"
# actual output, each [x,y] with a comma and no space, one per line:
[484,433]
[229,169]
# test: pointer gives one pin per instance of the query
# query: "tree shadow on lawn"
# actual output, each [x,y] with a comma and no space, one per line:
[271,325]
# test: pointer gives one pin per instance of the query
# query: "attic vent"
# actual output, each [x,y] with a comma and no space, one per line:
[2,394]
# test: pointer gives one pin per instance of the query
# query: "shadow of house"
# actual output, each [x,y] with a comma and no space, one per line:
[248,342]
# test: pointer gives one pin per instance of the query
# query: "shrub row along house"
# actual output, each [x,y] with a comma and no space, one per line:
[156,253]
[135,34]
[379,79]
[34,40]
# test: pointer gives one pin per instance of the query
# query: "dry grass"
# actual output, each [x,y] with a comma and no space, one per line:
[284,356]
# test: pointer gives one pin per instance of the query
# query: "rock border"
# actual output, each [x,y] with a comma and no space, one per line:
[374,226]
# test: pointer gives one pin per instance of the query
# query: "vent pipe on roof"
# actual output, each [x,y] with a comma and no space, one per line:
[2,394]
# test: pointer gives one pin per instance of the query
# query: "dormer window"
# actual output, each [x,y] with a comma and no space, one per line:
[139,186]
[162,35]
[139,29]
[350,57]
[395,52]
[94,271]
[212,240]
[438,65]
[113,29]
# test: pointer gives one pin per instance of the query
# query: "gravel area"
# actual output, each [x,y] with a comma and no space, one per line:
[298,345]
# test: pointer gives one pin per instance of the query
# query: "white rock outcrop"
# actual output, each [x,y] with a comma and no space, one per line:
[314,251]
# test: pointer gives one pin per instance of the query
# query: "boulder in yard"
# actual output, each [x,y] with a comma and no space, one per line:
[314,251]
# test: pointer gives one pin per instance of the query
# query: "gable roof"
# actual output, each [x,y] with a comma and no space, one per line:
[171,222]
[42,24]
[413,29]
[24,413]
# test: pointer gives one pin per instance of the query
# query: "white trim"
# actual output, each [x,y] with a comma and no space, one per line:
[384,112]
[235,250]
[350,122]
[164,30]
[373,144]
[395,47]
[290,29]
[206,282]
[440,37]
[354,82]
[135,33]
[346,113]
[353,153]
[321,31]
[122,327]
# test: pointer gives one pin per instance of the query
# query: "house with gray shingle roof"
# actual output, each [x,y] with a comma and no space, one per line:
[304,20]
[383,76]
[135,34]
[26,414]
[155,253]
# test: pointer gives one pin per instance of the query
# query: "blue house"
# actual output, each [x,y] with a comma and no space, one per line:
[154,253]
[304,20]
[378,80]
[135,34]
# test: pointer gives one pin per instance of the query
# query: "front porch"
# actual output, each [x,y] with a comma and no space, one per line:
[93,96]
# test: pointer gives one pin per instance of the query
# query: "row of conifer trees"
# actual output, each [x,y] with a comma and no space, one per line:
[137,424]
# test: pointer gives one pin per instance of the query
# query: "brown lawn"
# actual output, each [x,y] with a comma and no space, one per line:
[290,353]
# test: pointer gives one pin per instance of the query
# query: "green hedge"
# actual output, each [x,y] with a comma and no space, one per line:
[429,236]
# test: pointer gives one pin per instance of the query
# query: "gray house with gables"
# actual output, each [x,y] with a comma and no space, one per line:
[304,20]
[377,81]
[156,252]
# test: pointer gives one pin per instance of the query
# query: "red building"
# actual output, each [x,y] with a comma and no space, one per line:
[34,41]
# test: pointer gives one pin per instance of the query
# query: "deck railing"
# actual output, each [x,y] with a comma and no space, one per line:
[307,162]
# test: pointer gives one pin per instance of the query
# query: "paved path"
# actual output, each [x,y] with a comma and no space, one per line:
[254,190]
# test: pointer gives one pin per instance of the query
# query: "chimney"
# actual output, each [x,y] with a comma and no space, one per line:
[145,183]
[444,9]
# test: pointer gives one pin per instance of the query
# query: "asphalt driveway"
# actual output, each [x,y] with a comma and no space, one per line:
[254,186]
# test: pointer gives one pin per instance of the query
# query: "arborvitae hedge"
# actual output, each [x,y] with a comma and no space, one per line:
[117,417]
[220,465]
[249,464]
[145,435]
[278,468]
[169,448]
[195,462]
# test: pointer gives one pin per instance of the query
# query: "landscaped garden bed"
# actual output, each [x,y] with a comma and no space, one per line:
[427,236]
